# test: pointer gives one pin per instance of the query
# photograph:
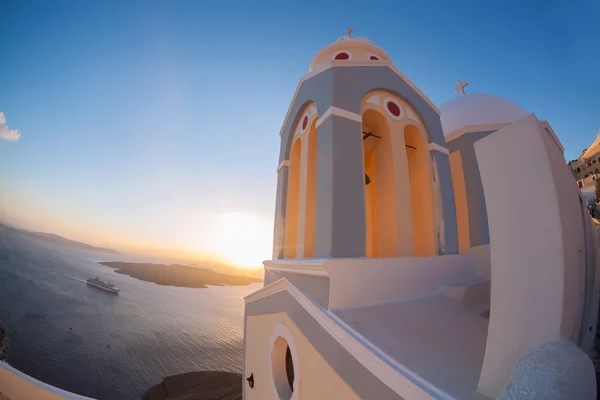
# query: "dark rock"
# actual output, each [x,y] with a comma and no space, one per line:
[199,385]
[2,335]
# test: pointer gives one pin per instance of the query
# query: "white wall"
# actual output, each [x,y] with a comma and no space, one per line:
[573,213]
[315,378]
[588,340]
[483,266]
[18,386]
[364,281]
[527,254]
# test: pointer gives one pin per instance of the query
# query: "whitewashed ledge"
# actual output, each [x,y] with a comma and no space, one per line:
[15,385]
[312,266]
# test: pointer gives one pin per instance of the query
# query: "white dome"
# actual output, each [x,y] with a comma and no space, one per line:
[479,109]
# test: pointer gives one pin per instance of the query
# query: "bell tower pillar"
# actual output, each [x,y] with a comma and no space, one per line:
[340,215]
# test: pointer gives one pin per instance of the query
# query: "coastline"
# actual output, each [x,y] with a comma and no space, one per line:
[178,275]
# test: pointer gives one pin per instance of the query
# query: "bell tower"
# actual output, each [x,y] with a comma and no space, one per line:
[364,168]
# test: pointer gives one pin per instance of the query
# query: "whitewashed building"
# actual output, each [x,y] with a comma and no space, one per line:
[411,259]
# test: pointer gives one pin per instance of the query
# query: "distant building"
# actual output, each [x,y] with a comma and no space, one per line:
[586,169]
[420,252]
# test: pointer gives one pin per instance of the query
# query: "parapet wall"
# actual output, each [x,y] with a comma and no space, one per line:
[16,385]
[366,281]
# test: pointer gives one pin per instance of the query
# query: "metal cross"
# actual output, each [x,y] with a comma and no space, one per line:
[349,31]
[369,134]
[461,87]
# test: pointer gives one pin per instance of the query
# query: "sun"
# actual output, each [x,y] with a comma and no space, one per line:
[245,240]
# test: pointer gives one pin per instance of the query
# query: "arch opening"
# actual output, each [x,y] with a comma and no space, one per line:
[291,214]
[460,201]
[310,218]
[399,193]
[421,191]
[380,212]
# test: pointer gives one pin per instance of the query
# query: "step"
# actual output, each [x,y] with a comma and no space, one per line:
[468,294]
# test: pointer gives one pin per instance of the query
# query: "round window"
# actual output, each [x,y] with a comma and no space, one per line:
[284,364]
[393,108]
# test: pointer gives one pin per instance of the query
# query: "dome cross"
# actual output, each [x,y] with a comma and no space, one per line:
[349,31]
[461,87]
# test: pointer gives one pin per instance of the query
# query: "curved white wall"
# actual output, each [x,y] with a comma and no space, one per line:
[527,248]
[16,386]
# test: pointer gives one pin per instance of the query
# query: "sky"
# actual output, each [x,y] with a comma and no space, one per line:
[155,123]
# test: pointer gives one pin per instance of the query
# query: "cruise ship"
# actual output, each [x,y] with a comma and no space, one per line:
[104,285]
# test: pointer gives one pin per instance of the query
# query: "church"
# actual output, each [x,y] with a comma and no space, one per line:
[420,251]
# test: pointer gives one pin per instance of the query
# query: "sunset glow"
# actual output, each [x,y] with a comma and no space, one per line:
[244,240]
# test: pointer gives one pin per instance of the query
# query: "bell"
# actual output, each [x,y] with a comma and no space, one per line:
[367,179]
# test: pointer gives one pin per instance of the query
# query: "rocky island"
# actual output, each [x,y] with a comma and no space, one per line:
[199,385]
[178,275]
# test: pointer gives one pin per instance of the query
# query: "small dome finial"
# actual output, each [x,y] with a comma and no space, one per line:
[349,31]
[461,87]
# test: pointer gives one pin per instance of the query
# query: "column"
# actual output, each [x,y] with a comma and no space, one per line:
[302,195]
[404,240]
[340,223]
[280,200]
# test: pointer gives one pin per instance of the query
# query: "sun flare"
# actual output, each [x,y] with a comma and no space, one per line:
[245,240]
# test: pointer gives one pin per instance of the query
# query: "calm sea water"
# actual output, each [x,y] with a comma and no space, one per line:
[84,340]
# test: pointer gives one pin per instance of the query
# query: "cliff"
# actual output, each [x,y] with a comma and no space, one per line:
[56,239]
[199,385]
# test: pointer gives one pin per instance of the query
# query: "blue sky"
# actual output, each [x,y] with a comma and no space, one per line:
[143,120]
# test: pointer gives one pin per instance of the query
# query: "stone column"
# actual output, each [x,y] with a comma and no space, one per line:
[280,202]
[302,195]
[404,241]
[341,225]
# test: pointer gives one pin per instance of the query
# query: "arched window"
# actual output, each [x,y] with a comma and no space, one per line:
[344,55]
[284,363]
[300,217]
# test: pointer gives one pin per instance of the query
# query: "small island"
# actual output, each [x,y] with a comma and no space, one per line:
[198,385]
[178,275]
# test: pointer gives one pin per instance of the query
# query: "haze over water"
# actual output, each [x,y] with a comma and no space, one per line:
[84,340]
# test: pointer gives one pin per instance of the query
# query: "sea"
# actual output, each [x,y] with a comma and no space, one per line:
[90,342]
